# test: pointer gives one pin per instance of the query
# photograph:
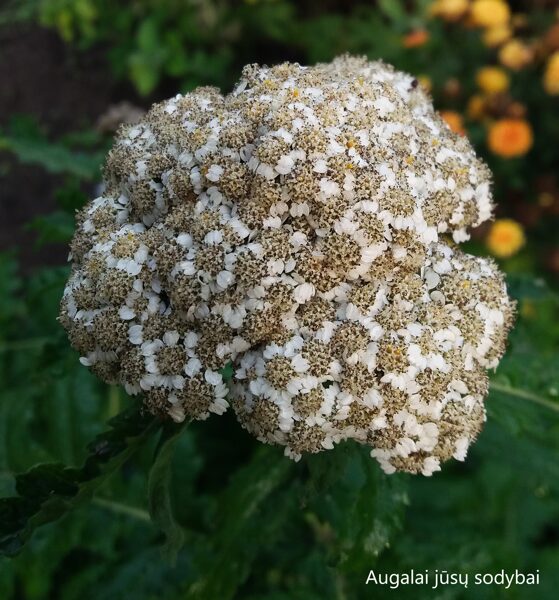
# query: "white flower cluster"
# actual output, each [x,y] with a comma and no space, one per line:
[304,229]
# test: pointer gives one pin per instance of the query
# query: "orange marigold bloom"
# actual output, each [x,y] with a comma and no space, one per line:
[454,121]
[415,38]
[490,13]
[515,55]
[492,80]
[551,75]
[505,238]
[510,137]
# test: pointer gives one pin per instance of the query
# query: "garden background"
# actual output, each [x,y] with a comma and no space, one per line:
[232,518]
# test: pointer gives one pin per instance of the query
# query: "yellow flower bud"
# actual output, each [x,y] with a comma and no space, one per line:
[551,75]
[515,55]
[490,13]
[476,107]
[495,36]
[505,238]
[425,82]
[449,10]
[492,80]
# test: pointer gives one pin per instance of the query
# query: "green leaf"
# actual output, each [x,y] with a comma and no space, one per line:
[251,512]
[376,515]
[53,157]
[159,493]
[56,227]
[47,492]
[144,73]
[148,35]
[355,507]
[393,10]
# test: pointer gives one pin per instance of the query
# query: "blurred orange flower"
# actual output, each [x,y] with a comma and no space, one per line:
[492,80]
[415,38]
[510,137]
[454,121]
[551,75]
[515,55]
[490,13]
[505,238]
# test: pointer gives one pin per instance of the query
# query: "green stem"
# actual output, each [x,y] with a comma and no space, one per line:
[123,509]
[525,395]
[114,401]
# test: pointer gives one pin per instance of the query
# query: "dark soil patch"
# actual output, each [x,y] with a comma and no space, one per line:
[64,91]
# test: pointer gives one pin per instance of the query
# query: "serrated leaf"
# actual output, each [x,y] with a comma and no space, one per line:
[355,505]
[159,492]
[325,469]
[47,492]
[378,514]
[248,520]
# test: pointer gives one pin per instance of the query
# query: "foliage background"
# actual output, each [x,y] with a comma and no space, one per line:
[255,525]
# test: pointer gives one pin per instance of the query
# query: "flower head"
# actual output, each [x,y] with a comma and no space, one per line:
[492,80]
[551,75]
[425,82]
[454,120]
[415,38]
[505,238]
[303,229]
[490,13]
[510,138]
[515,55]
[495,36]
[476,107]
[449,10]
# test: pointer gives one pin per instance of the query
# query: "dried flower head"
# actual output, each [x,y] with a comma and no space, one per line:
[304,229]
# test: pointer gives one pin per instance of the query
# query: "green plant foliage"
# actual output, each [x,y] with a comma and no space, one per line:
[24,139]
[255,524]
[56,227]
[88,520]
[170,46]
[159,494]
[48,491]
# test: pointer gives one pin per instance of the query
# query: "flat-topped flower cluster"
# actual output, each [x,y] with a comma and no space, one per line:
[304,229]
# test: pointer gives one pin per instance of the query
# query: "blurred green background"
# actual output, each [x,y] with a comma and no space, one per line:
[256,526]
